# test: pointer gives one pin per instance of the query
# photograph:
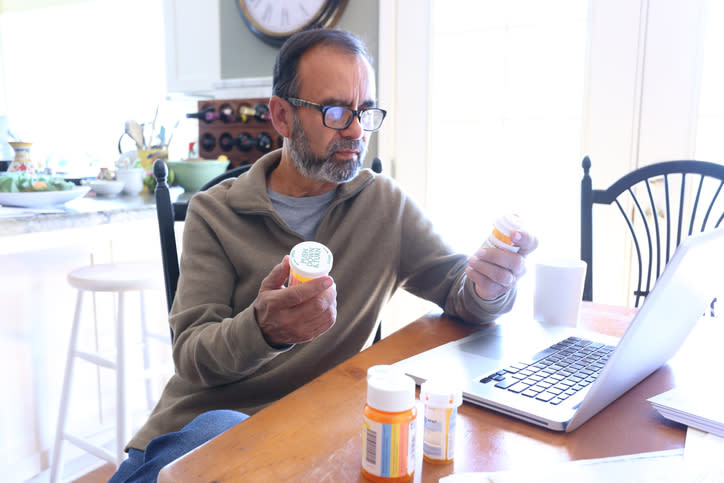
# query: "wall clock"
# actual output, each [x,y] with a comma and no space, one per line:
[274,21]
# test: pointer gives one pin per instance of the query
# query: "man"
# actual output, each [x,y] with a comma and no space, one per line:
[242,338]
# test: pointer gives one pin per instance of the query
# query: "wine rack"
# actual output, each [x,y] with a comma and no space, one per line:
[240,129]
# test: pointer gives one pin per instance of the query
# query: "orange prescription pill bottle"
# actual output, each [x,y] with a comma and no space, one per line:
[307,261]
[502,232]
[388,429]
[441,400]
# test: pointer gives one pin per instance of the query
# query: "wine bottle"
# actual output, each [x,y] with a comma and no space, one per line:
[226,113]
[245,142]
[226,142]
[207,114]
[261,112]
[246,113]
[208,142]
[263,142]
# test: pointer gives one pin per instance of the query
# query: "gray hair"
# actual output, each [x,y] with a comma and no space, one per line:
[286,67]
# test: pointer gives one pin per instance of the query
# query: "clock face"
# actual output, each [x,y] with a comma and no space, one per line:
[275,20]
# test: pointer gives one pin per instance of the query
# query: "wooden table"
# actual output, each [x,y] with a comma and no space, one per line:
[314,433]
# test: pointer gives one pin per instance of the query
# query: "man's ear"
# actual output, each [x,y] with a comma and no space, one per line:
[282,116]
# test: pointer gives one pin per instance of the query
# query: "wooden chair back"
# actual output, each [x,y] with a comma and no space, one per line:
[661,204]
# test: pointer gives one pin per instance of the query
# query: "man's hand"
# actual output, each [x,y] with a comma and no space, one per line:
[290,315]
[495,271]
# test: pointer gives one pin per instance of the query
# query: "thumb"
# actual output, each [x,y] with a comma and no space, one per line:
[278,275]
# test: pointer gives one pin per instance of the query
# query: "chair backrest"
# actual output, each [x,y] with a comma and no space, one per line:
[660,203]
[168,213]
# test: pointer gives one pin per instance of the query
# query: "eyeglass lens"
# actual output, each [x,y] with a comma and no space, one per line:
[338,117]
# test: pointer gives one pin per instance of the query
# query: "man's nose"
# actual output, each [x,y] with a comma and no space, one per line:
[354,130]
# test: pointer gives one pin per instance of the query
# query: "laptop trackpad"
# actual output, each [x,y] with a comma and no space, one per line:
[476,360]
[489,346]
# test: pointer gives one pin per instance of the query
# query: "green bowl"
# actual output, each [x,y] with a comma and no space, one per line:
[192,175]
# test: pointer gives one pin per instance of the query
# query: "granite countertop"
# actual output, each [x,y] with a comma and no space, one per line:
[90,210]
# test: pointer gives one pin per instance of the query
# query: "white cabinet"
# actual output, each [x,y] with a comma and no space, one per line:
[193,45]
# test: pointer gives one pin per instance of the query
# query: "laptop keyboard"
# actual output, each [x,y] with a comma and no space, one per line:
[556,373]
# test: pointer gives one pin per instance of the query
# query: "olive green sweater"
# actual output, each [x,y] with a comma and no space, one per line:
[381,241]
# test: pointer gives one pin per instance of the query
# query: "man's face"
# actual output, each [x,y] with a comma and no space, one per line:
[325,167]
[331,77]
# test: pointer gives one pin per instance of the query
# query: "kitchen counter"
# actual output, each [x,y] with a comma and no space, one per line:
[23,228]
[90,210]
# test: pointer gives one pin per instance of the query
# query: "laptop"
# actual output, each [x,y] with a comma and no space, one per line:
[500,367]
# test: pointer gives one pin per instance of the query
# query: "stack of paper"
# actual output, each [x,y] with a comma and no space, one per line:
[698,408]
[659,466]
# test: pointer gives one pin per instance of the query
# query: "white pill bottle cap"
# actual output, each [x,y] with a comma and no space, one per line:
[382,370]
[310,260]
[391,393]
[441,394]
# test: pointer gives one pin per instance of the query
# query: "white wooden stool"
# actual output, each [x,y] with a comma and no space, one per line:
[117,278]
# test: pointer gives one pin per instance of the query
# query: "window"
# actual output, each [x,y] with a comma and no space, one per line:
[506,94]
[517,93]
[710,125]
[71,75]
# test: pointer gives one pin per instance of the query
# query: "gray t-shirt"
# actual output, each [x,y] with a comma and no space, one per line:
[304,214]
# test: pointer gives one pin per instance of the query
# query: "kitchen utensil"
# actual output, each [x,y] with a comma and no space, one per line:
[135,131]
[173,131]
[153,127]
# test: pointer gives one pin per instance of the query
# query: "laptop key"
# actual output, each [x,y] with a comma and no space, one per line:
[506,383]
[545,396]
[518,387]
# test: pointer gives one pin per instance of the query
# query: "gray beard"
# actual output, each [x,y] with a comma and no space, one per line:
[324,168]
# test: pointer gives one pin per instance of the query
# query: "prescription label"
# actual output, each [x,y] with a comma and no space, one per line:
[388,450]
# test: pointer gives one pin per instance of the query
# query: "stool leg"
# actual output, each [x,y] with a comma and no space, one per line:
[56,467]
[122,419]
[146,354]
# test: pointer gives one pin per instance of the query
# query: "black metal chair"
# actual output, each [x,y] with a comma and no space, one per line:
[661,204]
[168,213]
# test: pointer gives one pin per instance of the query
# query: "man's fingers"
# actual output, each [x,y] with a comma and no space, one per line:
[486,260]
[298,294]
[278,275]
[526,241]
[486,288]
[305,307]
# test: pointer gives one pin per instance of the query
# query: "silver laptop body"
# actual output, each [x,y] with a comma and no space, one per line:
[680,296]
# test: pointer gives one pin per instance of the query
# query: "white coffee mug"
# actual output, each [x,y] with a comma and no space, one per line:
[558,291]
[132,179]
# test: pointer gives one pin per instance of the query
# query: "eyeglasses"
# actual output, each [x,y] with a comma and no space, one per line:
[340,117]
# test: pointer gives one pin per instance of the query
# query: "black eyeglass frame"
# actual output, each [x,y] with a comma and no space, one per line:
[323,109]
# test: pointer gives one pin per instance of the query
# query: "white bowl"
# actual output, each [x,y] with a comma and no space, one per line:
[106,188]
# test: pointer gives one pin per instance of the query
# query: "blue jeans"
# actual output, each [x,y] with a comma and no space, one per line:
[142,466]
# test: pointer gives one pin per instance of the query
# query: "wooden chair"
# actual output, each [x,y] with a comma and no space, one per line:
[661,204]
[168,213]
